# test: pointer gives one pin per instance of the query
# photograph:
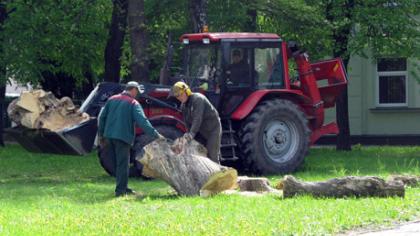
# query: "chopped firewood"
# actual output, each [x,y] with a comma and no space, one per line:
[42,110]
[368,186]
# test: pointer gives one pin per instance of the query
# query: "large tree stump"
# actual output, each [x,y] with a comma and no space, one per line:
[368,186]
[42,110]
[189,173]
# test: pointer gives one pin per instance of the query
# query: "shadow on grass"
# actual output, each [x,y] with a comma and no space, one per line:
[92,190]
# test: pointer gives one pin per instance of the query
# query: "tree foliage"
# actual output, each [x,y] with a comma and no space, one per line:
[57,36]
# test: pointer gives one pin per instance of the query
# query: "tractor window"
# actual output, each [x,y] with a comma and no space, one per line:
[238,71]
[269,67]
[203,66]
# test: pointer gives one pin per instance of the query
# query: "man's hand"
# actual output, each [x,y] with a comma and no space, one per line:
[178,145]
[188,137]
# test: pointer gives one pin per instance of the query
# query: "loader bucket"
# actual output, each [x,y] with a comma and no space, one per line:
[331,78]
[76,140]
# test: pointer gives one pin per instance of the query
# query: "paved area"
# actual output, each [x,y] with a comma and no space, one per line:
[409,229]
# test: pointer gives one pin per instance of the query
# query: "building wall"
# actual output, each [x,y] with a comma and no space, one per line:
[366,117]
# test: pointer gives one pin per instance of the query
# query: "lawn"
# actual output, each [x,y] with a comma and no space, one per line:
[44,194]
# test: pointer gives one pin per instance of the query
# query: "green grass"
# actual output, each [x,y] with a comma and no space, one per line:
[64,195]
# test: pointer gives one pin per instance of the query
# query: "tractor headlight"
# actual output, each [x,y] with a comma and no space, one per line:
[206,40]
[185,41]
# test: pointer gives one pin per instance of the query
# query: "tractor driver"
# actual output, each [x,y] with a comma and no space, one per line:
[200,116]
[238,70]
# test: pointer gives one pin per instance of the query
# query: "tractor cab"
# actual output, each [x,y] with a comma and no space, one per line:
[229,67]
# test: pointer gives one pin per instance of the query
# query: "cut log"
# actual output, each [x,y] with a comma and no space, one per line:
[407,180]
[253,184]
[189,173]
[368,186]
[42,110]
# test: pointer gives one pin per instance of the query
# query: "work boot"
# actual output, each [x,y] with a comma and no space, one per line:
[129,191]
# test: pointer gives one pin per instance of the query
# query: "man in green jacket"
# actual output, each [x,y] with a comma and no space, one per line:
[116,128]
[200,116]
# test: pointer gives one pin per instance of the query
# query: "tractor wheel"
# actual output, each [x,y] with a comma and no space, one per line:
[170,132]
[275,137]
[108,165]
[142,140]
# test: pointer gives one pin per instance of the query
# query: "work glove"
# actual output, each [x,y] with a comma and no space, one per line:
[180,143]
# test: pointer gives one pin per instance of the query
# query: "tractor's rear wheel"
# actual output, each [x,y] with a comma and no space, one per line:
[135,167]
[275,137]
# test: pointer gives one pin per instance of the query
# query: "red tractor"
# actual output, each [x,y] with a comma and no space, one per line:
[269,118]
[270,113]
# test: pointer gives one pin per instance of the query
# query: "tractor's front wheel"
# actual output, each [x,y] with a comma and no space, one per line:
[135,168]
[275,137]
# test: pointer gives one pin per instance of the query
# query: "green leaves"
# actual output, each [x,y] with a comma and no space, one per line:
[68,37]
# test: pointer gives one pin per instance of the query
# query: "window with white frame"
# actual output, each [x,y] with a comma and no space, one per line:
[392,82]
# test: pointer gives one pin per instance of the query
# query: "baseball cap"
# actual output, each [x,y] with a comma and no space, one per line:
[134,84]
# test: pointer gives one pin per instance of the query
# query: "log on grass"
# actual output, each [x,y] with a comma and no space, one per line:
[407,180]
[254,184]
[351,186]
[190,172]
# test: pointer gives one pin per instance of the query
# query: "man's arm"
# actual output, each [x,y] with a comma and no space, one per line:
[143,122]
[197,117]
[102,120]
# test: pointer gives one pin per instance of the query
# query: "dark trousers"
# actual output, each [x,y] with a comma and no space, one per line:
[213,144]
[120,152]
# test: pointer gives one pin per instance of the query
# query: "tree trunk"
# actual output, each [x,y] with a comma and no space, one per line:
[189,173]
[350,186]
[198,14]
[113,50]
[165,72]
[2,108]
[342,117]
[251,23]
[138,41]
[3,79]
[341,36]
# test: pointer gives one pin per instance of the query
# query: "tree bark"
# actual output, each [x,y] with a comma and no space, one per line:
[189,173]
[3,79]
[198,14]
[138,40]
[113,50]
[350,186]
[341,36]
